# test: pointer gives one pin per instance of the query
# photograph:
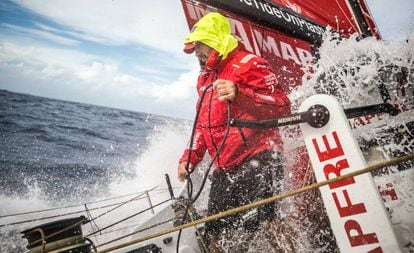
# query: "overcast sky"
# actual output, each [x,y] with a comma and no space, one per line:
[120,53]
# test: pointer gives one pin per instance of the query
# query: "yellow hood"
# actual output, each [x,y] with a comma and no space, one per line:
[213,30]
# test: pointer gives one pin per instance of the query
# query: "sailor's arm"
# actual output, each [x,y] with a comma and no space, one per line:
[198,149]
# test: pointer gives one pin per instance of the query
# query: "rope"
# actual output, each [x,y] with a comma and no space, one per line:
[84,220]
[198,234]
[126,202]
[91,221]
[129,217]
[59,215]
[92,244]
[190,148]
[119,204]
[263,202]
[121,228]
[135,232]
[71,206]
[44,218]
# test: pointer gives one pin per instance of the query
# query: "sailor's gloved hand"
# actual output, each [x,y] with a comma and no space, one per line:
[226,89]
[182,172]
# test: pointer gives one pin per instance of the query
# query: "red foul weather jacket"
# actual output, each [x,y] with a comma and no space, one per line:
[259,97]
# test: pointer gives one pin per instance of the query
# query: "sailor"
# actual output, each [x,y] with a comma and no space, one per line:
[248,166]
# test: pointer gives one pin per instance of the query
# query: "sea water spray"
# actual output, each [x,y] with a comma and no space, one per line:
[359,72]
[347,68]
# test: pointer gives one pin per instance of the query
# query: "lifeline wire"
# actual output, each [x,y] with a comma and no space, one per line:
[61,215]
[118,206]
[84,220]
[65,207]
[129,217]
[264,201]
[135,232]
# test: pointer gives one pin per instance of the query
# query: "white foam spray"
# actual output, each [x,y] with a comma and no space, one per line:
[354,80]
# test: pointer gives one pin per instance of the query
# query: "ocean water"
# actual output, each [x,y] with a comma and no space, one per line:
[61,158]
[47,141]
[56,153]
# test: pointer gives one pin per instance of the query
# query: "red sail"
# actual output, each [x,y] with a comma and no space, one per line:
[287,33]
[285,53]
[345,16]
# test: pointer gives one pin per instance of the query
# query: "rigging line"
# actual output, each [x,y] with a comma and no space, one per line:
[129,217]
[266,201]
[198,234]
[189,181]
[92,244]
[119,229]
[190,148]
[191,201]
[347,18]
[209,120]
[65,207]
[190,186]
[262,46]
[60,215]
[118,206]
[226,134]
[136,232]
[90,218]
[39,219]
